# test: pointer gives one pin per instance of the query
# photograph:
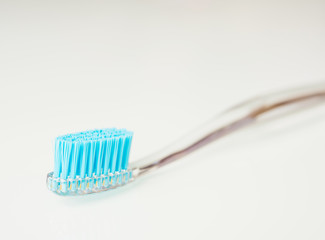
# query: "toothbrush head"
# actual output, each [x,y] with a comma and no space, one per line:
[90,161]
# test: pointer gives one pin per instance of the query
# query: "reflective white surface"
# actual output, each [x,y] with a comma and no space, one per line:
[68,67]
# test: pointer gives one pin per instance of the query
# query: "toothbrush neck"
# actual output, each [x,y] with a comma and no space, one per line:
[230,121]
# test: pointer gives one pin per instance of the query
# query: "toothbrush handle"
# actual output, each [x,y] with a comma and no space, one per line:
[229,121]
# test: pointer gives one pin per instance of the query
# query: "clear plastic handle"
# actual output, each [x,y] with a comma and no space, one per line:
[229,121]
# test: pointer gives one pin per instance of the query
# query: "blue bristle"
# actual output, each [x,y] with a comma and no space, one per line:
[93,152]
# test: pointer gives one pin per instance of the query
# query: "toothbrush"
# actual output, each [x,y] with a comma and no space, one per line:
[97,160]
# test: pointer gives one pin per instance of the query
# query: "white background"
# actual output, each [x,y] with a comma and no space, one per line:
[160,68]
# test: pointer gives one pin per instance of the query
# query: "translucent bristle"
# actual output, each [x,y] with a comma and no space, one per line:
[84,160]
[80,186]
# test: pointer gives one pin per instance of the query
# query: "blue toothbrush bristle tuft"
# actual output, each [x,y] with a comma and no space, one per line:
[92,153]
